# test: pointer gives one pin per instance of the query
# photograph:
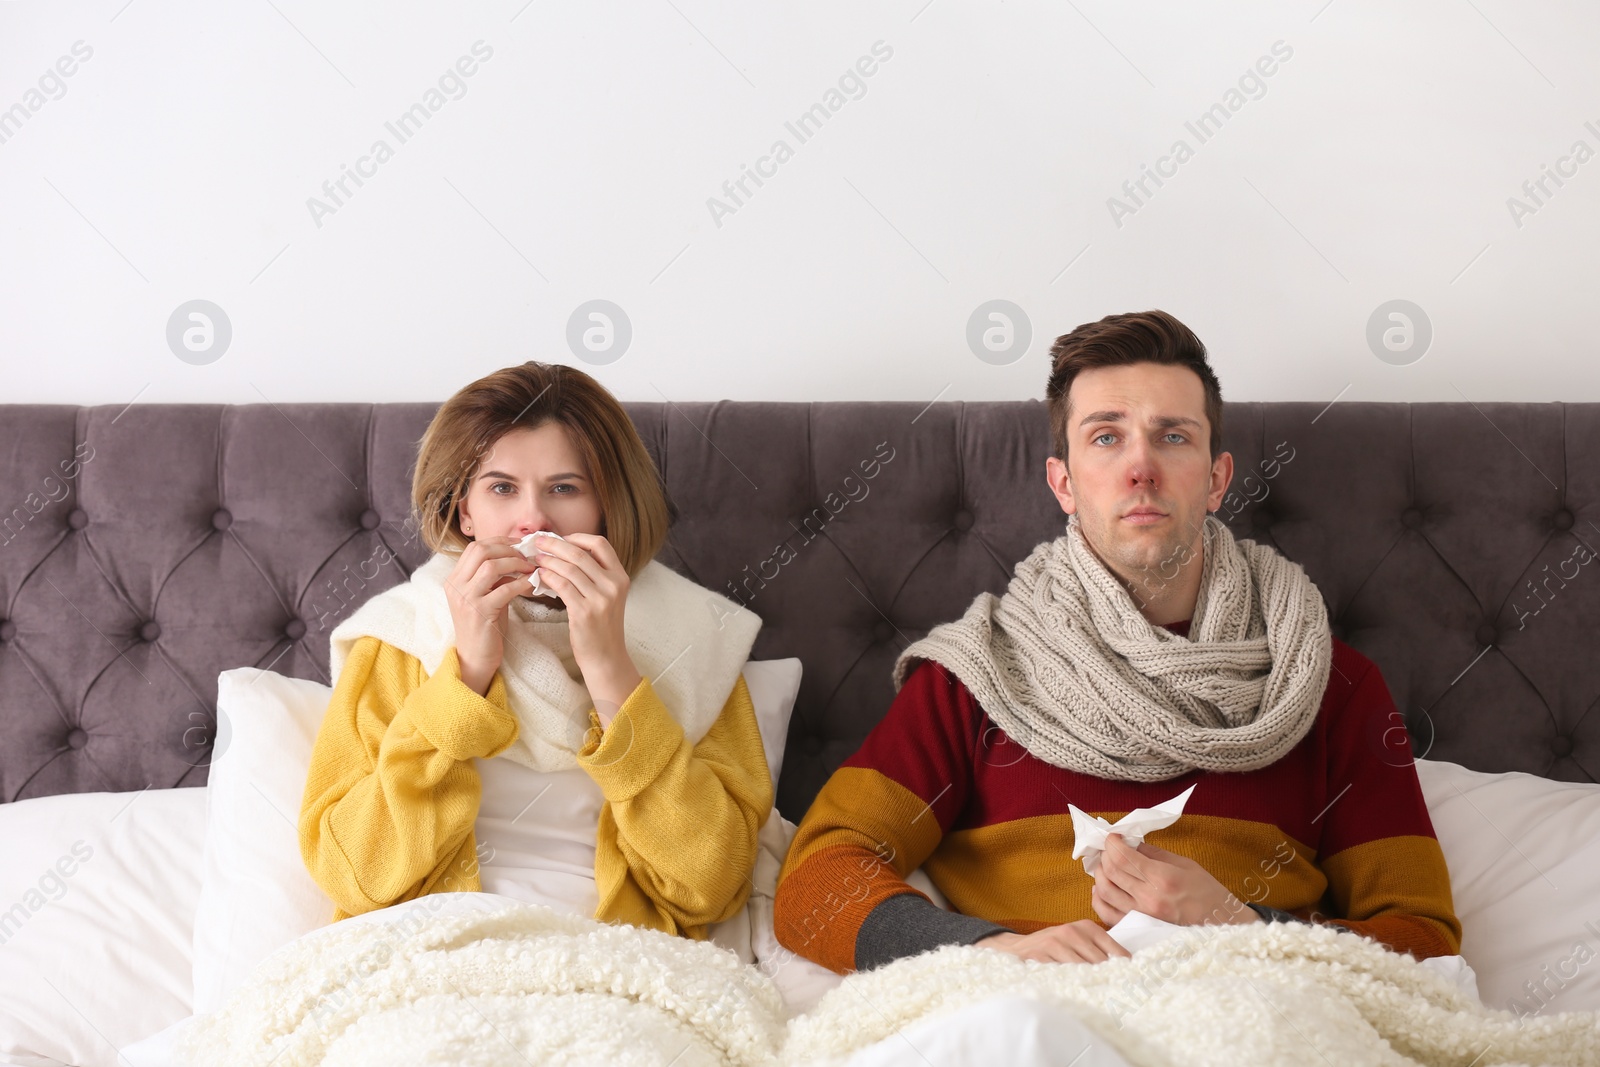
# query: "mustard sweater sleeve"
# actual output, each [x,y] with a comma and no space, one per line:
[391,795]
[676,843]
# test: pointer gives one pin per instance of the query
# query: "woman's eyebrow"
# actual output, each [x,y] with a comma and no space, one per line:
[568,476]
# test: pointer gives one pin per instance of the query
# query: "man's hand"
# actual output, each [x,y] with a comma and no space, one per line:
[1161,884]
[1084,941]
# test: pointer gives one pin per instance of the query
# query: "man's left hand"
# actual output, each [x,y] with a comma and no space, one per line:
[1163,885]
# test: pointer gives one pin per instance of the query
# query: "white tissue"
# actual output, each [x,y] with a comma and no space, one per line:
[1136,930]
[1089,831]
[525,546]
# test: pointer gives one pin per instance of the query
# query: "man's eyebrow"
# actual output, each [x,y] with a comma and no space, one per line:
[564,476]
[1175,420]
[1161,421]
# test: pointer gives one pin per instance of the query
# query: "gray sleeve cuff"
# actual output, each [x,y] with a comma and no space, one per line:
[910,923]
[1273,915]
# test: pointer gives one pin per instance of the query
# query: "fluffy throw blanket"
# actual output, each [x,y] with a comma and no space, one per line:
[1273,994]
[471,979]
[468,979]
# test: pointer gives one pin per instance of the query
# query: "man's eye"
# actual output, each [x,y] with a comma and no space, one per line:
[1099,438]
[1178,437]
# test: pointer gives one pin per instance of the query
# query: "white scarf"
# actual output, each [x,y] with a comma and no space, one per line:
[689,641]
[1066,665]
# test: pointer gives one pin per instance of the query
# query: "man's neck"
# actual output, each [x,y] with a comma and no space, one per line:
[1163,600]
[1173,610]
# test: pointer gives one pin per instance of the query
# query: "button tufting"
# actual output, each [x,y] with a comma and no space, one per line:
[882,631]
[1561,746]
[370,520]
[76,738]
[8,629]
[221,519]
[963,520]
[77,518]
[294,630]
[150,630]
[1562,520]
[1411,518]
[1486,634]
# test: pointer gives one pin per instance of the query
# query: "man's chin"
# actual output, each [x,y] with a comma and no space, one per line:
[1141,554]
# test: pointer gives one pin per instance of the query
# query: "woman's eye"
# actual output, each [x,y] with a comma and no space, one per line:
[495,488]
[563,485]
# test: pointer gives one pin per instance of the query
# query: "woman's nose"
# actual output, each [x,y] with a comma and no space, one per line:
[533,520]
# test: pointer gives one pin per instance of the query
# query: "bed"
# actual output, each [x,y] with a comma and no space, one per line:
[145,551]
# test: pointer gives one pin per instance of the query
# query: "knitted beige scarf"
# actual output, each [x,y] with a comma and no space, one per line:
[1066,665]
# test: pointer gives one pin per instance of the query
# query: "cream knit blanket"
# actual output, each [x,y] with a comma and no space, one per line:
[468,980]
[1066,665]
[1266,995]
[465,979]
[689,641]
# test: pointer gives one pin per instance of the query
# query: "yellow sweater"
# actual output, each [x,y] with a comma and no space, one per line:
[392,795]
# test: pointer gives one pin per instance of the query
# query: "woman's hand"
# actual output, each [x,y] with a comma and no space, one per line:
[586,574]
[479,590]
[1163,885]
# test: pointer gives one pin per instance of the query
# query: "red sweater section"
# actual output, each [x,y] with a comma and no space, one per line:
[1350,780]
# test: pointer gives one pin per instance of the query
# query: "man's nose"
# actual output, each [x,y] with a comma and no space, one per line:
[1141,465]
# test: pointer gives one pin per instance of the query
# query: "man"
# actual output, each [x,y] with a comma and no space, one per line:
[1140,653]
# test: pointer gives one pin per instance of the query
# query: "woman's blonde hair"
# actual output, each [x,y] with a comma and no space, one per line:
[634,510]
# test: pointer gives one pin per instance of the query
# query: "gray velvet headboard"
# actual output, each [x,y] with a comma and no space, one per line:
[145,549]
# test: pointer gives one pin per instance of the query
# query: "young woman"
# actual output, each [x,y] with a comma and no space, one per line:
[594,749]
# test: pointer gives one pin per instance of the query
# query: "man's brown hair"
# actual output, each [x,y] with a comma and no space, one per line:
[633,503]
[1116,341]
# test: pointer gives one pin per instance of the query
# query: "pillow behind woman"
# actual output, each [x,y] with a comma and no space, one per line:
[594,749]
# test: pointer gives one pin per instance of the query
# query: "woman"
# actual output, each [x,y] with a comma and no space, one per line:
[595,749]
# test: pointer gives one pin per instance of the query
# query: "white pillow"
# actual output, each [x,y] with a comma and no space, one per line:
[1524,860]
[774,685]
[256,895]
[97,901]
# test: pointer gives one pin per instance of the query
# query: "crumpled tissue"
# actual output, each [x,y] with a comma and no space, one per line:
[525,546]
[1089,831]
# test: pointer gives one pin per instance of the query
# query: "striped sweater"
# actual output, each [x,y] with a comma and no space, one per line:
[1335,831]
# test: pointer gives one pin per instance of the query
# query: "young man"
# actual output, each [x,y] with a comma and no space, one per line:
[1140,653]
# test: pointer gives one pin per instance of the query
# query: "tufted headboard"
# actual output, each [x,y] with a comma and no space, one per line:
[145,549]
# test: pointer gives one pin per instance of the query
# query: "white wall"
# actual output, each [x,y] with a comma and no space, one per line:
[1375,164]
